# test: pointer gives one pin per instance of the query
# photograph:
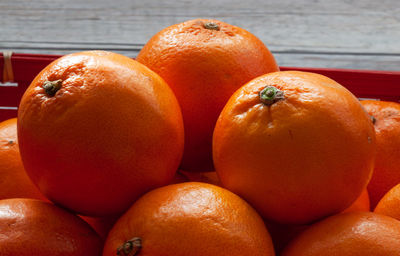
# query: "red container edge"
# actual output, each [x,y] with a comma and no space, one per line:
[382,85]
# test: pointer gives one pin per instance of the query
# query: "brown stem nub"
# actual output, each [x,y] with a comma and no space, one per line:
[131,247]
[211,25]
[373,119]
[51,87]
[270,94]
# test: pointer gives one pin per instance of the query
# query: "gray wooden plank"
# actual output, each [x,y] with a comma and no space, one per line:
[342,34]
[370,61]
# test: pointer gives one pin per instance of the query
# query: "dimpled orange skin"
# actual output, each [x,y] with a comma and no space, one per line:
[349,234]
[14,182]
[387,163]
[111,133]
[282,234]
[303,158]
[389,204]
[191,218]
[204,67]
[34,227]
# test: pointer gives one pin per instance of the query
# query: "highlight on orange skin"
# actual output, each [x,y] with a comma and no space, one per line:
[35,227]
[191,218]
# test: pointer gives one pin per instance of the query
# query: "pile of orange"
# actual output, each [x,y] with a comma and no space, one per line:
[200,146]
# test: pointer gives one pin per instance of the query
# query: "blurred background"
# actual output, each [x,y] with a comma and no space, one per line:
[349,34]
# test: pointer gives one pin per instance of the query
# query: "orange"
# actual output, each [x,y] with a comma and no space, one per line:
[296,145]
[349,234]
[190,218]
[282,234]
[361,204]
[34,227]
[14,182]
[97,130]
[390,203]
[204,61]
[206,177]
[102,225]
[386,116]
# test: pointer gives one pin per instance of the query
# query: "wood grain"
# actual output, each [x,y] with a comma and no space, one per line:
[314,33]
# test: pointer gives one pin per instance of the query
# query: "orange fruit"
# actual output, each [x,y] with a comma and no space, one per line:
[204,61]
[190,218]
[14,182]
[102,225]
[389,205]
[34,227]
[386,116]
[282,234]
[296,145]
[97,130]
[349,234]
[361,204]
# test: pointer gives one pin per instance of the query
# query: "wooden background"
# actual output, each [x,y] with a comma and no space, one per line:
[306,33]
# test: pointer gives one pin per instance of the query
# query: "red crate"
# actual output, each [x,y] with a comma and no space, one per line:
[383,85]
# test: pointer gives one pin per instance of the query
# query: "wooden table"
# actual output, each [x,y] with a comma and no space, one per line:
[363,34]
